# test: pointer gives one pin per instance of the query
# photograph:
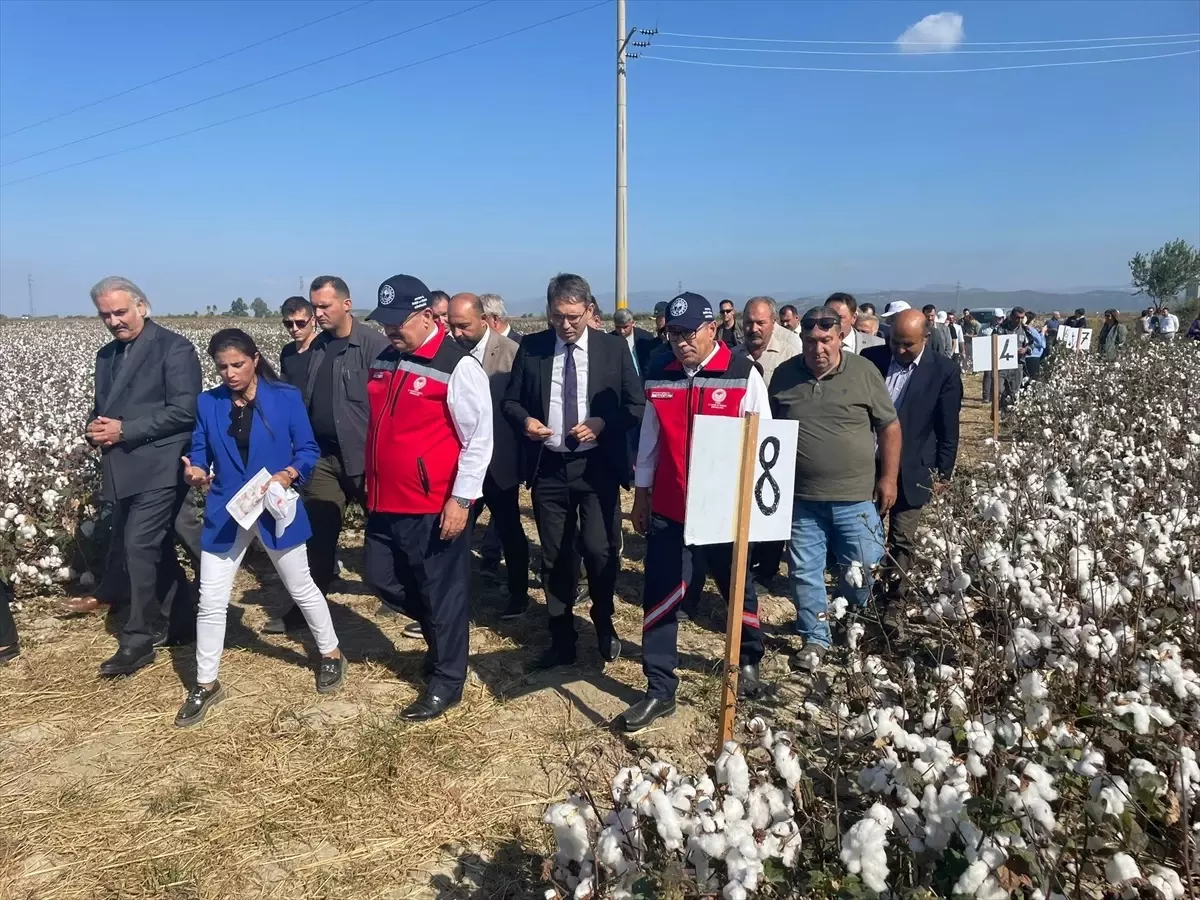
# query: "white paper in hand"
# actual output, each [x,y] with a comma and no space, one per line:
[247,504]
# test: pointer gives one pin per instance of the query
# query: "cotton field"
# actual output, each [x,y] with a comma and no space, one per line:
[50,526]
[1035,735]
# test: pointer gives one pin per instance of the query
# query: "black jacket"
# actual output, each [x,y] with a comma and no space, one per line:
[154,396]
[644,344]
[614,394]
[928,415]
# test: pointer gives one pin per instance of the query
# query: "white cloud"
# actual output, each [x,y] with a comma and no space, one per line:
[938,33]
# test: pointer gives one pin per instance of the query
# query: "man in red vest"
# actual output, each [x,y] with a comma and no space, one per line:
[700,377]
[429,442]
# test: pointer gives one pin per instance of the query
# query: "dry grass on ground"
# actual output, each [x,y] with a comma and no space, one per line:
[284,794]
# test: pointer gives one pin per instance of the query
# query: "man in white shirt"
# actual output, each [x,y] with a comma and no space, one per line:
[847,309]
[496,316]
[700,375]
[573,395]
[1168,324]
[429,443]
[789,318]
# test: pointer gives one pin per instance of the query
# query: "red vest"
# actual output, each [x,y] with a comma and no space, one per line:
[412,447]
[717,390]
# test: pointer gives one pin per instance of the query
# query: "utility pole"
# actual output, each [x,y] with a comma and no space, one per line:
[31,295]
[622,286]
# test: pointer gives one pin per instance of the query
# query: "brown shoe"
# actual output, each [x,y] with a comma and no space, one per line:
[80,606]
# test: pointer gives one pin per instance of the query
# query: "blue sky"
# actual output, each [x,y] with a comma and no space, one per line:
[492,169]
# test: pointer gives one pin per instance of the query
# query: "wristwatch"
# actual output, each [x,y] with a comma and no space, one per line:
[462,501]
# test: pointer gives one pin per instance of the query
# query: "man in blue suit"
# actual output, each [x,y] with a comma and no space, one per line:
[926,389]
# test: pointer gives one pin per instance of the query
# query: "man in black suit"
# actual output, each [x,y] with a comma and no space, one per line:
[641,343]
[926,389]
[573,395]
[147,381]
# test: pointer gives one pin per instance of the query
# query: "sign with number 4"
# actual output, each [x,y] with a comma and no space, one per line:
[712,499]
[981,353]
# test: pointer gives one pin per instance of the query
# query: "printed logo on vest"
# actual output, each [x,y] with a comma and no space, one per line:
[386,295]
[417,385]
[718,398]
[661,395]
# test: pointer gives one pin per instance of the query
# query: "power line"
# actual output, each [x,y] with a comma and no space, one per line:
[191,68]
[893,52]
[235,90]
[1049,65]
[312,96]
[1142,37]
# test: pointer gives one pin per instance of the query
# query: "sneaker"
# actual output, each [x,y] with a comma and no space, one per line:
[810,658]
[331,673]
[196,704]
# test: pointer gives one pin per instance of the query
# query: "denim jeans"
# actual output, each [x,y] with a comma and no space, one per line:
[855,534]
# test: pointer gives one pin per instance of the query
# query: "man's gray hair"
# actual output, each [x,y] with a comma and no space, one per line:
[493,305]
[753,301]
[569,288]
[622,317]
[868,317]
[116,283]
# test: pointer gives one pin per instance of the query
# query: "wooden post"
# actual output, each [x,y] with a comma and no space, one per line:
[737,579]
[995,386]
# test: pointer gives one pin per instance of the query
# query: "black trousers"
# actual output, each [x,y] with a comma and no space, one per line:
[675,574]
[901,523]
[8,628]
[505,507]
[765,559]
[327,492]
[413,570]
[143,580]
[577,494]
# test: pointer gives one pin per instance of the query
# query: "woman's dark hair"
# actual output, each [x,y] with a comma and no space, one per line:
[236,339]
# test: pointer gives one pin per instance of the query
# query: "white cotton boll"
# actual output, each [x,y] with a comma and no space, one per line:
[1112,793]
[996,512]
[854,634]
[864,847]
[585,890]
[733,810]
[624,781]
[1167,882]
[758,810]
[961,583]
[787,764]
[734,891]
[761,732]
[571,820]
[1090,764]
[854,574]
[667,820]
[1121,868]
[838,607]
[732,770]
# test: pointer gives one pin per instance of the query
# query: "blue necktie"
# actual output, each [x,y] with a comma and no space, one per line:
[570,394]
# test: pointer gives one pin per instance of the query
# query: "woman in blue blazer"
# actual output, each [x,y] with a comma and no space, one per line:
[253,421]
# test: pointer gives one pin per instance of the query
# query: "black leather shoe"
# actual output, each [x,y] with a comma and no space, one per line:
[9,653]
[330,674]
[643,713]
[489,570]
[516,607]
[413,630]
[386,612]
[428,706]
[748,683]
[610,648]
[196,704]
[292,620]
[553,658]
[126,662]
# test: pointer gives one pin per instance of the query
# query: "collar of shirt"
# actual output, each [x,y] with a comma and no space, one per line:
[691,373]
[894,366]
[507,329]
[479,349]
[582,343]
[841,365]
[848,340]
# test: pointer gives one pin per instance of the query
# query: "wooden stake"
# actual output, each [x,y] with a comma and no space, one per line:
[737,579]
[995,387]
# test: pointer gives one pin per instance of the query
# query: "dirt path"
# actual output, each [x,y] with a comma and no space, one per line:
[284,794]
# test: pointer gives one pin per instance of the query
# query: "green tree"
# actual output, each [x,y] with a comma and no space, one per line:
[239,308]
[260,309]
[1167,270]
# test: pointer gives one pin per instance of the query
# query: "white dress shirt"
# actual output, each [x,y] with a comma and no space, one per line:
[898,377]
[754,400]
[555,417]
[479,349]
[507,330]
[469,399]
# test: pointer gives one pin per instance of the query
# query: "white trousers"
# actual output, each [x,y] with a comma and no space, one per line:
[217,571]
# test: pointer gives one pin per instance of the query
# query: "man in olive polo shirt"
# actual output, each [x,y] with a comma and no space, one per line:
[845,413]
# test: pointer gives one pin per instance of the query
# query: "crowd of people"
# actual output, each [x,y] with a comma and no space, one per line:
[444,409]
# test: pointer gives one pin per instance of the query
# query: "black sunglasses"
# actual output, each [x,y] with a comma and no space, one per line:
[822,322]
[291,324]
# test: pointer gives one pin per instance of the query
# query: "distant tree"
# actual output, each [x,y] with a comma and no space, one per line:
[239,308]
[260,309]
[1167,270]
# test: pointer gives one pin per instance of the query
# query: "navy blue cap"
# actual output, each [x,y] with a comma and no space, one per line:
[399,297]
[689,311]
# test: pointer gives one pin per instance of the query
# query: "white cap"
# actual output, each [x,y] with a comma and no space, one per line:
[941,316]
[894,307]
[998,313]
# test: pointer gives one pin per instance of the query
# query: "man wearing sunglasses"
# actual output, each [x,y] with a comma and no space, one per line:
[844,410]
[701,376]
[293,358]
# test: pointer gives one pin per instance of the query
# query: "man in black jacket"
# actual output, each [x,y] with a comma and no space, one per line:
[926,389]
[641,343]
[573,395]
[147,381]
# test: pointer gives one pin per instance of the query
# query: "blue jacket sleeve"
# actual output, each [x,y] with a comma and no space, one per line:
[198,453]
[305,452]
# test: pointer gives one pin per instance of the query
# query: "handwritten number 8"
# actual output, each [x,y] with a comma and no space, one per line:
[766,478]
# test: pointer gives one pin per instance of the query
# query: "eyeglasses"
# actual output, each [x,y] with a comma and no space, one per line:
[726,310]
[567,320]
[677,336]
[296,324]
[822,322]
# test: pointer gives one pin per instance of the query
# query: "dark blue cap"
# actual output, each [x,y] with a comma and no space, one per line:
[689,311]
[399,297]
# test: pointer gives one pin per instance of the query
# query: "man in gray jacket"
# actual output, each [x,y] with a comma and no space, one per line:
[336,396]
